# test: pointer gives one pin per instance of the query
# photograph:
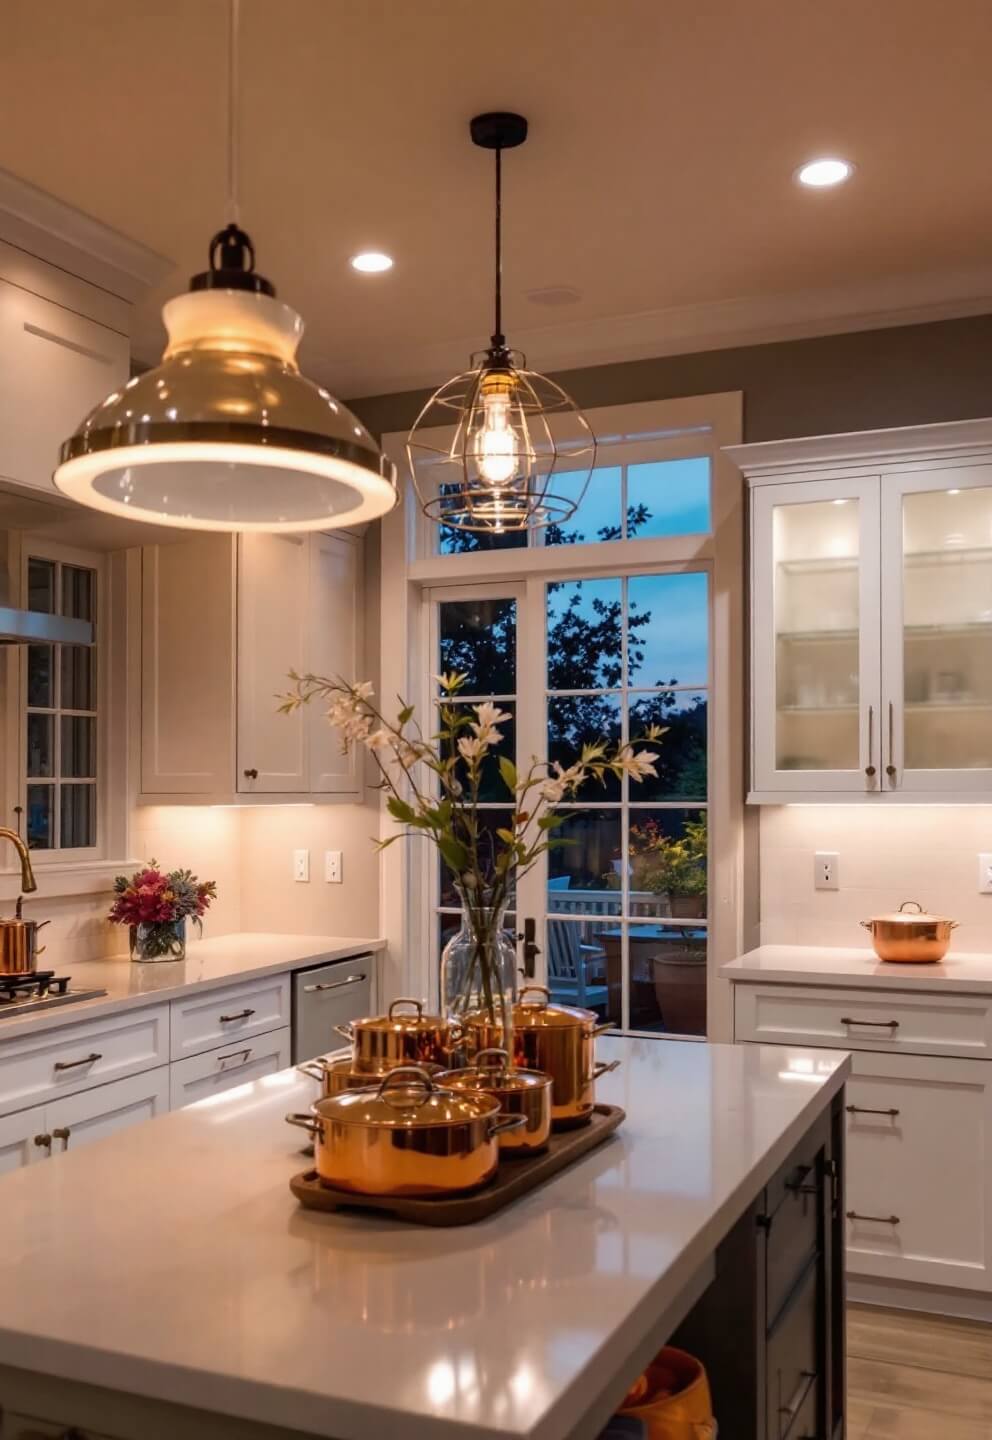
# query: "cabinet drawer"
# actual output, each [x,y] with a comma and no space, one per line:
[792,1357]
[206,1021]
[792,1210]
[91,1115]
[204,1075]
[889,1021]
[918,1200]
[77,1057]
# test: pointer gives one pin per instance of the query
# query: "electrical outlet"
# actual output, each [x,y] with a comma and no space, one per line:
[826,870]
[301,865]
[332,867]
[985,874]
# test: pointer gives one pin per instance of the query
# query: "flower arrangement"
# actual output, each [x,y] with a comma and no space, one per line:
[156,905]
[432,785]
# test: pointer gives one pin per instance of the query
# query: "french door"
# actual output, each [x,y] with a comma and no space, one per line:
[619,912]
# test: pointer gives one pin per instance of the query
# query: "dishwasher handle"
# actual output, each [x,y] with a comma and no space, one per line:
[335,984]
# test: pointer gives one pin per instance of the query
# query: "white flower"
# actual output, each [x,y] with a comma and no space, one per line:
[471,747]
[379,740]
[637,764]
[489,716]
[552,791]
[364,691]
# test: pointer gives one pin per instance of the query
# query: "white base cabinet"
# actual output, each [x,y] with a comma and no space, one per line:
[919,1122]
[235,1064]
[44,1130]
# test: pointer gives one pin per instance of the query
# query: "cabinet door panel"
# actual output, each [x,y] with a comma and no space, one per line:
[273,586]
[51,352]
[921,1173]
[17,1139]
[187,667]
[816,637]
[335,650]
[81,1119]
[937,629]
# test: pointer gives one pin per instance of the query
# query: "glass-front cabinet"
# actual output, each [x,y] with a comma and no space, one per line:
[871,616]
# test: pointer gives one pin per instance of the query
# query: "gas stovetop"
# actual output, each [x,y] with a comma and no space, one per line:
[20,994]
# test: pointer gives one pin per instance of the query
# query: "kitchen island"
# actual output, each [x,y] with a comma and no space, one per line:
[164,1283]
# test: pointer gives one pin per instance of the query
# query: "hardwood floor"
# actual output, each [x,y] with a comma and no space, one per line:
[917,1377]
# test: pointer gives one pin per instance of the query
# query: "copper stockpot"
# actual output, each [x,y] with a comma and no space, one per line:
[913,938]
[560,1041]
[19,948]
[382,1042]
[519,1092]
[337,1075]
[406,1136]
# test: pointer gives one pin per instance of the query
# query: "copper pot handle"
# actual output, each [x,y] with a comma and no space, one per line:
[540,990]
[919,908]
[602,1029]
[418,1005]
[346,1031]
[313,1068]
[503,1061]
[867,924]
[603,1067]
[305,1122]
[409,1072]
[503,1122]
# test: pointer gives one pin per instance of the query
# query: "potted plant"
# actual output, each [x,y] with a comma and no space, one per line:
[156,906]
[432,785]
[673,869]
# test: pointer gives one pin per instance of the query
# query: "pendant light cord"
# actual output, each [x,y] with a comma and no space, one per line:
[499,339]
[233,107]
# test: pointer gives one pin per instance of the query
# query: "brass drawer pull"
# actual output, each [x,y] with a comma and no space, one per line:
[44,1141]
[242,1056]
[870,767]
[251,774]
[62,1133]
[875,1024]
[74,1064]
[241,1015]
[334,984]
[890,769]
[875,1219]
[866,1110]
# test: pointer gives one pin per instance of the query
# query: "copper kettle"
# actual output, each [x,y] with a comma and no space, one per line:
[19,948]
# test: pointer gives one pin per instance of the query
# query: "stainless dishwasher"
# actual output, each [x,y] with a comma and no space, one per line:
[326,996]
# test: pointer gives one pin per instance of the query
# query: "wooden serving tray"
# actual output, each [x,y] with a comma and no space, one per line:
[513,1179]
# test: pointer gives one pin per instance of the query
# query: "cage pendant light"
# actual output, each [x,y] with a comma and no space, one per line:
[225,433]
[500,447]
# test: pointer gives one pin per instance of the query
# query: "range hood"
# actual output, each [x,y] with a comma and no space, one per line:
[28,627]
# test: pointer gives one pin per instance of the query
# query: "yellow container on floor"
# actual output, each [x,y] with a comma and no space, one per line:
[672,1398]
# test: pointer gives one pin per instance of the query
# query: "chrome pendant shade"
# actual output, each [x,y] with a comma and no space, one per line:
[226,434]
[500,447]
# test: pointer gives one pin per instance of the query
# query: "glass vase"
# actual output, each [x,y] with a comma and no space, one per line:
[159,940]
[479,976]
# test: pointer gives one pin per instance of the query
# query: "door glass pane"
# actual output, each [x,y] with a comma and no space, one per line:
[478,640]
[816,578]
[40,677]
[577,720]
[667,863]
[41,816]
[668,978]
[78,592]
[681,763]
[585,626]
[491,787]
[667,630]
[669,497]
[40,745]
[584,965]
[947,638]
[584,875]
[41,586]
[77,815]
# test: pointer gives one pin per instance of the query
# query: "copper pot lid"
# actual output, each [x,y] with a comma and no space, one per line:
[499,1076]
[406,1098]
[906,917]
[542,1015]
[392,1023]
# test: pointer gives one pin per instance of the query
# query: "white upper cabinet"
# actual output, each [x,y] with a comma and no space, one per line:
[871,615]
[224,620]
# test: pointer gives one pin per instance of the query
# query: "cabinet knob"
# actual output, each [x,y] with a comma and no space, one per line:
[44,1142]
[62,1133]
[251,774]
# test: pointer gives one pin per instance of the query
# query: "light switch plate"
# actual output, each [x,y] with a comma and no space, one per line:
[301,865]
[985,874]
[332,867]
[826,870]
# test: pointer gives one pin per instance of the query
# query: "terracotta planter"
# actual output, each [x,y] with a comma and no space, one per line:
[680,989]
[687,907]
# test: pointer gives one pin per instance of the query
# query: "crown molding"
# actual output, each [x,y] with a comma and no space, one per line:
[769,458]
[884,303]
[46,227]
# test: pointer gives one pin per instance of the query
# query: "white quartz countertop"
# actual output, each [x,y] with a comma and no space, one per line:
[171,1260]
[825,965]
[209,964]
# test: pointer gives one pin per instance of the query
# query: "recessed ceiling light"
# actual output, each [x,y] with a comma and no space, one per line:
[371,262]
[820,174]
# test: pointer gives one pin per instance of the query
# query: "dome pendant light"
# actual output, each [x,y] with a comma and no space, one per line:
[500,447]
[226,434]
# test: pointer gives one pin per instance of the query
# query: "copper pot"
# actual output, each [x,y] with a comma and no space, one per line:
[19,948]
[519,1092]
[558,1040]
[338,1075]
[910,938]
[406,1136]
[382,1042]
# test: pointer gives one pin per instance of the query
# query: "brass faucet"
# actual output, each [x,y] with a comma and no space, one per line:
[28,882]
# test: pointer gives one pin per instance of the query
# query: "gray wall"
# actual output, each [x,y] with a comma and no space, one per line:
[907,376]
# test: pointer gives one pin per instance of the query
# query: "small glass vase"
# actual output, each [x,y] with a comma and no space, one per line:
[159,940]
[479,976]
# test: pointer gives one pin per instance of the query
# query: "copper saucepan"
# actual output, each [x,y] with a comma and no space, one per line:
[910,936]
[406,1136]
[519,1092]
[19,948]
[339,1074]
[382,1042]
[560,1041]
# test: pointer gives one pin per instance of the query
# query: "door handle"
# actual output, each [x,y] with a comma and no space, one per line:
[890,769]
[875,1219]
[44,1142]
[238,1015]
[62,1133]
[251,774]
[866,1110]
[792,1409]
[875,1024]
[870,767]
[531,948]
[74,1064]
[241,1056]
[335,984]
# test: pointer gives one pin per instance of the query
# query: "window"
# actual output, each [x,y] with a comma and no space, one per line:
[61,711]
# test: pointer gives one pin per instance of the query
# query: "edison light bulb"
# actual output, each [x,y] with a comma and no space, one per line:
[496,444]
